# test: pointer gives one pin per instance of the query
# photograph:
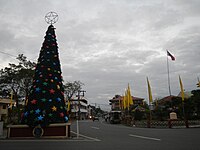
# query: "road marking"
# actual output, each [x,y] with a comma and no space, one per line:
[95,128]
[87,137]
[144,137]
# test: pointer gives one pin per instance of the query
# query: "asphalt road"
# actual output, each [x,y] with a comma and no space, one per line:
[99,135]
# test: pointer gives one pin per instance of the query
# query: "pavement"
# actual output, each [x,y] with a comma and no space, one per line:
[4,136]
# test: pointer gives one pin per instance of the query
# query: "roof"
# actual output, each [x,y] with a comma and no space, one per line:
[121,98]
[187,94]
[166,99]
[5,101]
[82,100]
[139,108]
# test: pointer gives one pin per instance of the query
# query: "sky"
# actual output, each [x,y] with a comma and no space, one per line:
[108,44]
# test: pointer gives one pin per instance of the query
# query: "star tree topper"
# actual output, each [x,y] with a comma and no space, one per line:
[51,17]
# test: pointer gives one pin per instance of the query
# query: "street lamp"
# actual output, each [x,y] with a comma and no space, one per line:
[78,117]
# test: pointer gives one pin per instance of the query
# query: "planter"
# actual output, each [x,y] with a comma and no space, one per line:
[57,130]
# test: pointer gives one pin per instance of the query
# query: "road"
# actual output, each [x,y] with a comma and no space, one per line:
[99,135]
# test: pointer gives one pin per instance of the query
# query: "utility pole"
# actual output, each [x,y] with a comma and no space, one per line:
[78,115]
[79,104]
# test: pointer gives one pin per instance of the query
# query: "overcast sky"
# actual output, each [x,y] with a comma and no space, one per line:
[107,44]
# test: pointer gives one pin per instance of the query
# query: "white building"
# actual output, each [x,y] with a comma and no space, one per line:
[75,105]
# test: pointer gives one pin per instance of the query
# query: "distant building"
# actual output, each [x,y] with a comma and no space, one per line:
[91,111]
[187,94]
[117,102]
[4,106]
[166,99]
[74,105]
[171,97]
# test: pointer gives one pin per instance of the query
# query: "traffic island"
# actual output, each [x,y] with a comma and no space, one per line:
[57,130]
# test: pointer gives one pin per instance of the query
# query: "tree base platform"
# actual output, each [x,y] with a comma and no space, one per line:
[57,130]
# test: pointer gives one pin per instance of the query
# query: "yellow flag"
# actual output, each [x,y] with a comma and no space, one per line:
[130,100]
[125,100]
[68,106]
[149,91]
[11,98]
[26,101]
[181,86]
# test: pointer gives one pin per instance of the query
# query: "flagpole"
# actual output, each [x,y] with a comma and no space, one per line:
[184,116]
[168,76]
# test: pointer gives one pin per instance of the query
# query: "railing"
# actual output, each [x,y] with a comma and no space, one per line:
[163,124]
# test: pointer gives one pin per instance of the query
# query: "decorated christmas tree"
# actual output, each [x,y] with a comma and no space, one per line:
[45,104]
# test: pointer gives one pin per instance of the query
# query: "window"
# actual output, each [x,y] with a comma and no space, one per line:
[4,106]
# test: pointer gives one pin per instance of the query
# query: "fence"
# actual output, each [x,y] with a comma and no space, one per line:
[166,124]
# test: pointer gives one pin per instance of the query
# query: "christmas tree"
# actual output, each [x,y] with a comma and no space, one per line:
[46,103]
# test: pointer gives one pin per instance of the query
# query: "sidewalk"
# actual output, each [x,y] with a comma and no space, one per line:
[4,136]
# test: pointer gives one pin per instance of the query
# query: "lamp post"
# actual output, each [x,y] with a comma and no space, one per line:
[78,117]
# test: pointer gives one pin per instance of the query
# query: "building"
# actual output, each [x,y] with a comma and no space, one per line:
[91,111]
[166,99]
[117,102]
[187,94]
[4,106]
[75,107]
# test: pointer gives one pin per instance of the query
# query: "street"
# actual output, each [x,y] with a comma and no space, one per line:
[101,135]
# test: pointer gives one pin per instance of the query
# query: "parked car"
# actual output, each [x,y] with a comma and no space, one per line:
[95,118]
[115,117]
[106,117]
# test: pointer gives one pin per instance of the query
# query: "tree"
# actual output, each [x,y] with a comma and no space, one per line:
[71,88]
[46,103]
[196,102]
[17,77]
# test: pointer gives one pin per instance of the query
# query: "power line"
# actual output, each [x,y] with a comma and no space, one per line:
[8,54]
[13,55]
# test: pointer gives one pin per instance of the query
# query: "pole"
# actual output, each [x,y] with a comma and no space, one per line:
[183,107]
[168,76]
[185,118]
[79,105]
[78,117]
[77,129]
[150,116]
